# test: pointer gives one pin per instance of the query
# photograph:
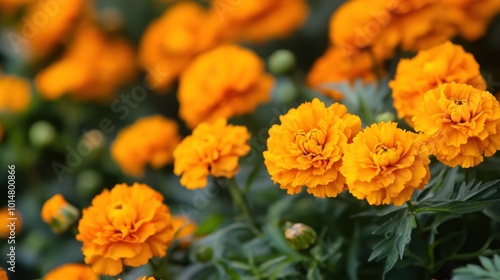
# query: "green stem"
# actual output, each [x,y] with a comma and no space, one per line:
[242,203]
[430,254]
[466,173]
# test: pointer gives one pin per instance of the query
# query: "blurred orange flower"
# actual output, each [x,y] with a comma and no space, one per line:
[385,164]
[171,42]
[10,6]
[307,147]
[184,229]
[47,23]
[125,226]
[334,66]
[212,149]
[3,274]
[150,140]
[441,64]
[5,229]
[72,271]
[236,86]
[93,67]
[473,16]
[259,20]
[59,214]
[15,94]
[462,122]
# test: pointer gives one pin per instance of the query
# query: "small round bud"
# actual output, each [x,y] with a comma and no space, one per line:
[385,117]
[204,253]
[285,92]
[42,133]
[87,182]
[281,62]
[300,236]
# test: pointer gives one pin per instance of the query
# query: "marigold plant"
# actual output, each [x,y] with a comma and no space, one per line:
[385,164]
[462,122]
[59,214]
[430,68]
[15,94]
[150,140]
[71,271]
[212,149]
[237,85]
[126,225]
[306,148]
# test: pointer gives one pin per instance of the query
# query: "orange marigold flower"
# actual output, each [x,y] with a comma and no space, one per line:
[472,17]
[72,271]
[125,226]
[462,121]
[385,164]
[347,68]
[259,20]
[59,214]
[93,67]
[5,226]
[184,229]
[10,6]
[212,149]
[3,274]
[430,68]
[46,25]
[15,94]
[306,148]
[236,86]
[164,55]
[150,140]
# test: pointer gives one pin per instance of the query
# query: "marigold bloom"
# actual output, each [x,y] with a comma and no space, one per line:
[164,55]
[45,25]
[385,164]
[59,214]
[72,271]
[306,148]
[212,149]
[150,140]
[472,17]
[430,68]
[259,20]
[236,86]
[5,214]
[10,6]
[93,67]
[3,274]
[463,123]
[15,94]
[334,66]
[184,229]
[125,226]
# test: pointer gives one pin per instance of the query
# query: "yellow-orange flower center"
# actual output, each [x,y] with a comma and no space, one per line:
[460,111]
[384,156]
[310,143]
[123,217]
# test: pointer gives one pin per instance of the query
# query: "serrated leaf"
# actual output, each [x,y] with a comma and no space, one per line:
[496,261]
[314,274]
[455,207]
[488,270]
[487,264]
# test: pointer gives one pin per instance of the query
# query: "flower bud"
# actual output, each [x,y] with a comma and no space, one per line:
[281,62]
[42,133]
[88,182]
[300,236]
[386,117]
[285,91]
[204,253]
[59,214]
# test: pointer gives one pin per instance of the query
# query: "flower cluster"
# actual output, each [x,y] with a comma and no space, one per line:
[126,225]
[150,140]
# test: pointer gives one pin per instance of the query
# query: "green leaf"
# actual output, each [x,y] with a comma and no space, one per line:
[211,224]
[489,269]
[456,207]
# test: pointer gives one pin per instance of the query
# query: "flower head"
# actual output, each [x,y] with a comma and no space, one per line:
[306,148]
[126,225]
[92,68]
[3,274]
[150,140]
[236,86]
[259,20]
[165,55]
[72,271]
[385,164]
[15,94]
[463,123]
[430,68]
[5,227]
[212,149]
[59,214]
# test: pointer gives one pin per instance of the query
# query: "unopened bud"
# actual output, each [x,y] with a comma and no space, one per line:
[300,236]
[42,133]
[204,253]
[386,117]
[281,62]
[59,214]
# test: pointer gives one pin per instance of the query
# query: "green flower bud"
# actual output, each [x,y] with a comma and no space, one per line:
[204,253]
[87,182]
[300,236]
[281,62]
[285,91]
[42,133]
[386,117]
